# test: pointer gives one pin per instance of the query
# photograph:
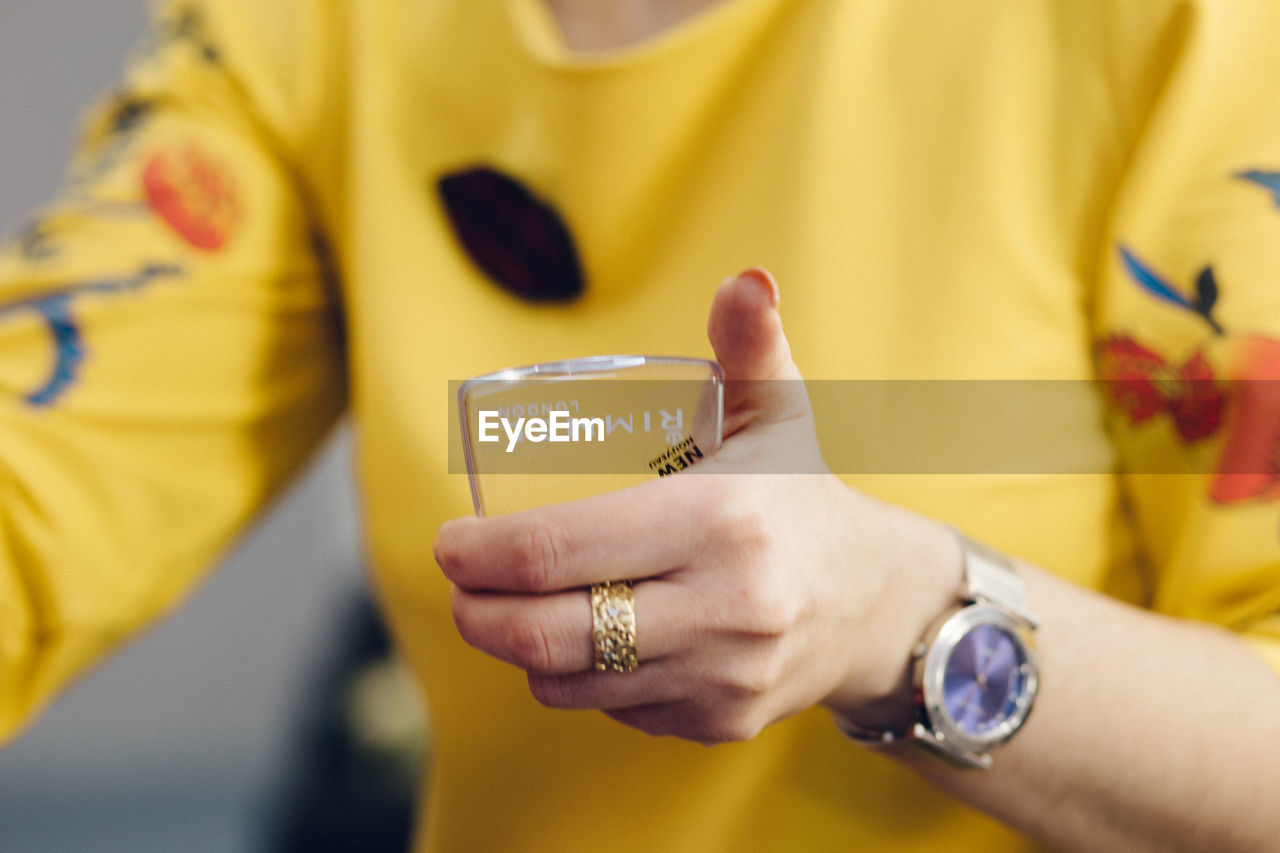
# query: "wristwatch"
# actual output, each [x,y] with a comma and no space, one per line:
[974,673]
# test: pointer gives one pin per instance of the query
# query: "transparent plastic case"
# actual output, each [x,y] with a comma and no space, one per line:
[565,430]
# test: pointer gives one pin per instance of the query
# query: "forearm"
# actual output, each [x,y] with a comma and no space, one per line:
[1148,733]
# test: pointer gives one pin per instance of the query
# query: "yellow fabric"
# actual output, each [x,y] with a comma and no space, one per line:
[941,188]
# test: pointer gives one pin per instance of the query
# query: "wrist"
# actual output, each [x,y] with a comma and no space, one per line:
[922,568]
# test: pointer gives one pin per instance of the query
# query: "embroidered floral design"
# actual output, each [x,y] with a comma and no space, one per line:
[1206,288]
[193,195]
[1263,178]
[55,307]
[1249,467]
[183,24]
[1143,384]
[111,141]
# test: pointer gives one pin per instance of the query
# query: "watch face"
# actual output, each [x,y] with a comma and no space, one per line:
[979,678]
[983,684]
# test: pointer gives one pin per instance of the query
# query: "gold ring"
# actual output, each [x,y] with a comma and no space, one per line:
[613,626]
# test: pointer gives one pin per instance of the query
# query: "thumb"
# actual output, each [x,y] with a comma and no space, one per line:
[745,329]
[762,383]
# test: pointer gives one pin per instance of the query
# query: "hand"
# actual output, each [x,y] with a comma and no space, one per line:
[757,594]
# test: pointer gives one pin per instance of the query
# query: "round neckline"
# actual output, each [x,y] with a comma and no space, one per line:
[535,28]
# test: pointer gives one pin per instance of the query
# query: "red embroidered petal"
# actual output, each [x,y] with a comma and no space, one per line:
[193,195]
[1129,371]
[1197,402]
[1197,413]
[1249,467]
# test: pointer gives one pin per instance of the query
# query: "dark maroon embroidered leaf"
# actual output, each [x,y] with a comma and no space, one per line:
[515,238]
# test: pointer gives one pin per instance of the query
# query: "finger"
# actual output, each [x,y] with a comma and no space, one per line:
[551,634]
[731,674]
[649,685]
[690,720]
[632,533]
[745,329]
[655,701]
[657,719]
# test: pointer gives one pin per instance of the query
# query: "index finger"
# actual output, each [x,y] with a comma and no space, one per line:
[631,533]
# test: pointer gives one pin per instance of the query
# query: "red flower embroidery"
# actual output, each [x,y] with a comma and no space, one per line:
[1250,463]
[1143,384]
[193,195]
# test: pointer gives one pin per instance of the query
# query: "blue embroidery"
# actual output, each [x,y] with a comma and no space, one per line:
[1149,280]
[55,308]
[1270,180]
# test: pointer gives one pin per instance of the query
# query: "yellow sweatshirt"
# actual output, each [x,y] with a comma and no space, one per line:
[297,209]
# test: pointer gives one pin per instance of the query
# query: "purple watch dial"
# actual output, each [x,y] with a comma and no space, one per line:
[983,680]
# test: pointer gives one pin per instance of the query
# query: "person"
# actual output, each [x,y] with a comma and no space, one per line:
[296,209]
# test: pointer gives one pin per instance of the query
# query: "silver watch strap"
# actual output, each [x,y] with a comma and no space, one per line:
[991,577]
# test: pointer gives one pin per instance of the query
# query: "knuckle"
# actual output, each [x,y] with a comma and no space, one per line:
[736,687]
[740,691]
[697,723]
[646,720]
[768,608]
[765,602]
[773,670]
[742,527]
[751,682]
[530,645]
[539,553]
[550,691]
[732,729]
[754,677]
[461,610]
[446,553]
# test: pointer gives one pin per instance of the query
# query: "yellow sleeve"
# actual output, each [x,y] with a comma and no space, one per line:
[1188,324]
[169,355]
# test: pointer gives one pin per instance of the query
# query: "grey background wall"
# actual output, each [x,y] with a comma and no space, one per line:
[180,742]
